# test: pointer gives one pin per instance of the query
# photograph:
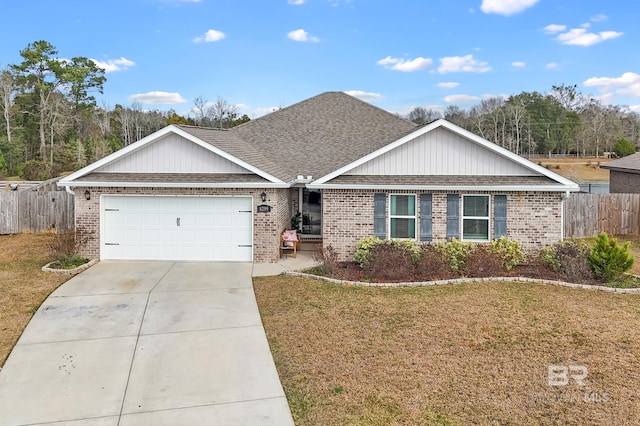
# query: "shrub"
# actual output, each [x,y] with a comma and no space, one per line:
[328,259]
[363,249]
[480,262]
[568,258]
[508,251]
[64,249]
[431,264]
[454,252]
[608,259]
[391,261]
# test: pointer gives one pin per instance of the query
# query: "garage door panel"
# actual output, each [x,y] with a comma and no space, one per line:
[177,228]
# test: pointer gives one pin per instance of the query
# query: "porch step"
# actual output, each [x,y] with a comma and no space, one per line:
[310,244]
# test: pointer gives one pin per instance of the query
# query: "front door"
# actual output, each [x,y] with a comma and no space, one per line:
[311,203]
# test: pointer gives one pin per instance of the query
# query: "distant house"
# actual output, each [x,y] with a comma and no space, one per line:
[351,169]
[624,174]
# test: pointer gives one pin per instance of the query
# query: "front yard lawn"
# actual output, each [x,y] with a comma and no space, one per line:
[456,354]
[23,286]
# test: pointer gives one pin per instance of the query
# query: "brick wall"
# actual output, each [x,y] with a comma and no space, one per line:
[621,182]
[535,219]
[266,226]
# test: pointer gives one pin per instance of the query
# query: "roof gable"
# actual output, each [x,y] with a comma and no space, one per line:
[441,152]
[125,157]
[464,144]
[172,154]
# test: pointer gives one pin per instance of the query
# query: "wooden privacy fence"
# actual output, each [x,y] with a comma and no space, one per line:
[36,211]
[587,215]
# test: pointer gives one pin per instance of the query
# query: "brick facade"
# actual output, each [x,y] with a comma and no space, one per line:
[266,226]
[622,182]
[533,218]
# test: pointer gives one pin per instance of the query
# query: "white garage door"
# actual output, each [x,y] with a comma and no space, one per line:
[176,228]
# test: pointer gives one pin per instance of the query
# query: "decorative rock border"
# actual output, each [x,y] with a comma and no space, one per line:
[467,280]
[48,268]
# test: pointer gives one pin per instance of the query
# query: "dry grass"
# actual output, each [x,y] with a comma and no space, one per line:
[23,286]
[577,169]
[458,354]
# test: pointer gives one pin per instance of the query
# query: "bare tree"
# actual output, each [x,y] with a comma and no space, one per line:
[7,94]
[421,115]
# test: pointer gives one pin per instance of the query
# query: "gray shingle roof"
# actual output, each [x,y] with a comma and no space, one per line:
[630,163]
[321,134]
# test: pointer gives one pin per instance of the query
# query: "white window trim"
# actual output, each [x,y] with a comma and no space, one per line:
[414,217]
[487,218]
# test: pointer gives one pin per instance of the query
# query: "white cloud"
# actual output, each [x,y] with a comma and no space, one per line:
[599,18]
[364,96]
[405,65]
[297,2]
[460,99]
[518,64]
[112,65]
[580,37]
[448,85]
[635,108]
[465,63]
[506,7]
[158,98]
[627,84]
[554,28]
[301,35]
[210,36]
[551,66]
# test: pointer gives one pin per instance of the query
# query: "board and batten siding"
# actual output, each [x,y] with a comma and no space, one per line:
[441,152]
[173,154]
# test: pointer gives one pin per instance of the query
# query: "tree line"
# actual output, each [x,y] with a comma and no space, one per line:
[51,123]
[564,121]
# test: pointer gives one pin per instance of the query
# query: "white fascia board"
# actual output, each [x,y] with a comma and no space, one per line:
[68,180]
[466,188]
[83,184]
[460,131]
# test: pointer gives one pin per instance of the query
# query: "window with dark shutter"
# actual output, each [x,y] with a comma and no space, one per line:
[379,215]
[426,218]
[453,225]
[499,216]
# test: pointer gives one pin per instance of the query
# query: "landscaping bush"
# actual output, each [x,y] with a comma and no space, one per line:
[568,258]
[64,249]
[431,264]
[609,260]
[509,252]
[481,262]
[328,261]
[363,249]
[391,261]
[454,252]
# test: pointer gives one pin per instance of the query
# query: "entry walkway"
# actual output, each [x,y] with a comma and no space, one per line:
[146,343]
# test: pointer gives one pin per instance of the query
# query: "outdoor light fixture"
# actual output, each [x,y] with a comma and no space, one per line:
[263,197]
[87,195]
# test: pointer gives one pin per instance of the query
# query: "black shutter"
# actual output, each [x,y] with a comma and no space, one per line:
[499,216]
[379,215]
[453,225]
[426,221]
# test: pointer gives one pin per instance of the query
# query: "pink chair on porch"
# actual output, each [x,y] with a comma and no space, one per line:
[289,241]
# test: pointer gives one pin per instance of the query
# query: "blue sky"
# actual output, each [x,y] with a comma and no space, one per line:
[265,54]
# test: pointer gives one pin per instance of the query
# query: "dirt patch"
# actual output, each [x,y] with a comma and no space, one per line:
[461,354]
[23,285]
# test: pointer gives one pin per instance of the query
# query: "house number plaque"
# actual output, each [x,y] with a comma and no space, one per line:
[263,208]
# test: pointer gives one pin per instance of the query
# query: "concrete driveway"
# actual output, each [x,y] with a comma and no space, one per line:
[146,343]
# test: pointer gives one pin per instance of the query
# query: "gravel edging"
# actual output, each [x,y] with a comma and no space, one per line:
[466,280]
[47,268]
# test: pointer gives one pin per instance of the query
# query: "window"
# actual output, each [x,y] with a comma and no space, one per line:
[402,216]
[475,217]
